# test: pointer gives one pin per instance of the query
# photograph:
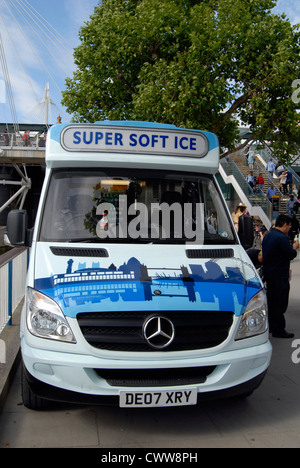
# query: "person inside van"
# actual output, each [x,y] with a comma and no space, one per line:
[240,211]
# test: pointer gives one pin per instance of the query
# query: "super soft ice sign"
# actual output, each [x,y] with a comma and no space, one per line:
[133,140]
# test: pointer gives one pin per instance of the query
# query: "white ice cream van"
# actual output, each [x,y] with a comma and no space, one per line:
[139,292]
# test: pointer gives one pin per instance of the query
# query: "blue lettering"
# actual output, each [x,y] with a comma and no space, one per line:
[119,139]
[77,139]
[108,138]
[185,143]
[144,136]
[193,144]
[132,138]
[139,140]
[181,143]
[154,140]
[85,140]
[164,139]
[98,137]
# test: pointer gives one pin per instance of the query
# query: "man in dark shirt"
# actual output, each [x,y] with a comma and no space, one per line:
[277,255]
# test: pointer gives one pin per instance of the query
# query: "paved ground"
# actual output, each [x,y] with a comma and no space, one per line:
[269,418]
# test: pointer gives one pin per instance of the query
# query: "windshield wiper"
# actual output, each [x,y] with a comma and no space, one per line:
[85,239]
[142,240]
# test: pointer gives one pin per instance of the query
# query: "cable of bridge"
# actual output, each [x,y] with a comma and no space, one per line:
[46,37]
[38,33]
[8,86]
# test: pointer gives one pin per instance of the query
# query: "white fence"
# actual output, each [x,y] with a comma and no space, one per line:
[13,271]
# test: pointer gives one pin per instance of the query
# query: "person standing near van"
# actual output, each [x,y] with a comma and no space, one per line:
[277,254]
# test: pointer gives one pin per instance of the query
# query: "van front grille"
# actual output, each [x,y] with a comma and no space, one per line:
[169,377]
[123,331]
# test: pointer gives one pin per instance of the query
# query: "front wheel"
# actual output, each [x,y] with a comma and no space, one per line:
[30,399]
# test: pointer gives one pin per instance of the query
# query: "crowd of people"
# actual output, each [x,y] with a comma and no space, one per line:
[277,248]
[26,138]
[284,175]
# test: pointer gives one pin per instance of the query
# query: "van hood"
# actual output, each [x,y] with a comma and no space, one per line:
[153,278]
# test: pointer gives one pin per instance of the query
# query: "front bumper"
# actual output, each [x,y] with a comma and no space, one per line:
[75,378]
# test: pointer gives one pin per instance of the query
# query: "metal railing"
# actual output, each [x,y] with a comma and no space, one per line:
[255,200]
[12,140]
[266,155]
[13,272]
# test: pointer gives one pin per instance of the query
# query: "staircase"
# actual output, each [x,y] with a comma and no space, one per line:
[259,167]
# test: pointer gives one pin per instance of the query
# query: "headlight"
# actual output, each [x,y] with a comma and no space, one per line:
[255,319]
[45,318]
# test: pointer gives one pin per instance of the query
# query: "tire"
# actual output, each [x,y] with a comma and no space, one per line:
[30,399]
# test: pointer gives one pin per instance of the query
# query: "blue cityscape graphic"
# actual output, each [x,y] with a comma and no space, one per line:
[134,285]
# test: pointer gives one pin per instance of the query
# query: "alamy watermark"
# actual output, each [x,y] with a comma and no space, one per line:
[2,352]
[159,221]
[296,353]
[296,93]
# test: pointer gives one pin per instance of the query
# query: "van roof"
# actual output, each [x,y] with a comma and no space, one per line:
[132,144]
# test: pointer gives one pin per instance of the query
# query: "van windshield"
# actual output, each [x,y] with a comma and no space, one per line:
[114,205]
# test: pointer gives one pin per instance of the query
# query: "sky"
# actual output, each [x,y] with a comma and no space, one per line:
[38,38]
[291,8]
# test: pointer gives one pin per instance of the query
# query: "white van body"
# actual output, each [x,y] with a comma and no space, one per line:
[116,315]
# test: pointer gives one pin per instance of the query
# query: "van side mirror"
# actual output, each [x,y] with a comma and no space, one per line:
[246,231]
[16,234]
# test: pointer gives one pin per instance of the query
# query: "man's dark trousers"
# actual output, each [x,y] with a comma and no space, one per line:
[278,290]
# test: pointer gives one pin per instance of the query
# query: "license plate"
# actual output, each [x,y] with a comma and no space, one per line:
[153,399]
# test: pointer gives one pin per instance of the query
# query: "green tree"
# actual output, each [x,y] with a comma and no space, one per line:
[197,64]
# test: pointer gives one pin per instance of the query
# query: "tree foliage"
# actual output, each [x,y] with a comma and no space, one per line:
[203,64]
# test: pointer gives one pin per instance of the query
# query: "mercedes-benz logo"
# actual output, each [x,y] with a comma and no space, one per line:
[159,332]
